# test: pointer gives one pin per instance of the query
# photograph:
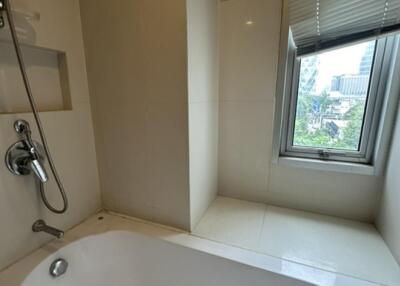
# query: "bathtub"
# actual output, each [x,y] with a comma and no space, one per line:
[125,258]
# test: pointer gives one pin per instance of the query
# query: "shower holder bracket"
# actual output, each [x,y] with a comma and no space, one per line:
[2,8]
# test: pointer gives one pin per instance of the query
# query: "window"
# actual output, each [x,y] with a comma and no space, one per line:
[333,103]
[338,84]
[332,95]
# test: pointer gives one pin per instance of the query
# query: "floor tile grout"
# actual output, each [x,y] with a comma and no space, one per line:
[262,228]
[283,233]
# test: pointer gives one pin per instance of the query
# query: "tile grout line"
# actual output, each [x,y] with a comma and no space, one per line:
[261,228]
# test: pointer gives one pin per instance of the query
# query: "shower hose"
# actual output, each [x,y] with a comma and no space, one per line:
[36,116]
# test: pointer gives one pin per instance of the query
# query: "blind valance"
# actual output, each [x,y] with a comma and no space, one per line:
[321,24]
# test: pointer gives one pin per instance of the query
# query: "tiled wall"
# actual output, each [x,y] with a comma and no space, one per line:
[388,222]
[69,134]
[388,218]
[136,54]
[249,47]
[44,67]
[203,104]
[250,34]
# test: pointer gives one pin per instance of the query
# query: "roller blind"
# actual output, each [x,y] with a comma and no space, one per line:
[321,24]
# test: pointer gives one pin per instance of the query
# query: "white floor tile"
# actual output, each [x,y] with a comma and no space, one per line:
[329,243]
[233,222]
[341,246]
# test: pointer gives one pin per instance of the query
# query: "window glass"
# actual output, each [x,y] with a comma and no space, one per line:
[332,96]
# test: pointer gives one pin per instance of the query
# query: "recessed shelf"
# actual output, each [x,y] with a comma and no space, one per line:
[48,75]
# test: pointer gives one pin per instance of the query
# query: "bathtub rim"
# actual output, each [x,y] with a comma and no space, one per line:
[113,222]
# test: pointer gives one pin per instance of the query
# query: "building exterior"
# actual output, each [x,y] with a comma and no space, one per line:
[356,84]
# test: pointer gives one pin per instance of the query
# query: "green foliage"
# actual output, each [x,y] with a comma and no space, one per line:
[311,129]
[351,134]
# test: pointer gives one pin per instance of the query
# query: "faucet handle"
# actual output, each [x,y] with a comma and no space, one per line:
[39,170]
[21,159]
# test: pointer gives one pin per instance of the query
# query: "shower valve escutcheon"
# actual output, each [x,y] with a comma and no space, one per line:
[26,156]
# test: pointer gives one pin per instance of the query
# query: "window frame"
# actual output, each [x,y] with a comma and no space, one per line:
[375,96]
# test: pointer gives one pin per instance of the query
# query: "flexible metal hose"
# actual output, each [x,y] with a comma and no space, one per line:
[36,116]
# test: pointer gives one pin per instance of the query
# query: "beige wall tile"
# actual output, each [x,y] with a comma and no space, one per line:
[388,217]
[249,38]
[245,145]
[332,193]
[203,129]
[69,134]
[167,159]
[202,30]
[248,77]
[137,66]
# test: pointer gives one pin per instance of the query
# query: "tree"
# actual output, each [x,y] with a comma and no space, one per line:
[310,112]
[308,116]
[352,132]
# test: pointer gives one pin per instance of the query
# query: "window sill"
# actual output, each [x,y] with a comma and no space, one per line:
[353,168]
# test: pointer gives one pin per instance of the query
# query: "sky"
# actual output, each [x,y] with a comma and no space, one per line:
[342,61]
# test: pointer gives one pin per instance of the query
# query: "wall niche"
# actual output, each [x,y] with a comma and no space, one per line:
[48,76]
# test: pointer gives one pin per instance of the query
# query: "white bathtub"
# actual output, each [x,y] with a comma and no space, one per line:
[120,258]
